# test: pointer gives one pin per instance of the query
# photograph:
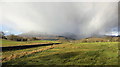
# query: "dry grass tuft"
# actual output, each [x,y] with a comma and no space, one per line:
[13,56]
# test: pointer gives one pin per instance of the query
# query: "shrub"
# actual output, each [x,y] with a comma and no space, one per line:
[16,38]
[2,35]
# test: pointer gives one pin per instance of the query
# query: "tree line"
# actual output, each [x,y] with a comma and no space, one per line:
[16,38]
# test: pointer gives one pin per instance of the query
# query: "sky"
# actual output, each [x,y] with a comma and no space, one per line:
[79,18]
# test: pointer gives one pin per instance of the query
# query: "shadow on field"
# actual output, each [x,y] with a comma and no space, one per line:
[60,56]
[10,48]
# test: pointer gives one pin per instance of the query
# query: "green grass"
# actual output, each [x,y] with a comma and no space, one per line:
[9,43]
[100,53]
[6,43]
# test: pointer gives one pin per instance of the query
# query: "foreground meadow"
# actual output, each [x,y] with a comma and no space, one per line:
[67,53]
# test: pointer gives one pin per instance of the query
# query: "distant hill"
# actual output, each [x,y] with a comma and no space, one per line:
[93,38]
[36,34]
[46,36]
[42,36]
[101,39]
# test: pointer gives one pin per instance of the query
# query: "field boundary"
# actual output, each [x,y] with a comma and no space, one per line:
[10,48]
[14,56]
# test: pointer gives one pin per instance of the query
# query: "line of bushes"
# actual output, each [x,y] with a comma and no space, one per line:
[16,38]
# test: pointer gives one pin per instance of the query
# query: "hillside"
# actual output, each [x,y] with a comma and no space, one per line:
[36,34]
[101,39]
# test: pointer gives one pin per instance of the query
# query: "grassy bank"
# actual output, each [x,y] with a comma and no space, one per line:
[6,43]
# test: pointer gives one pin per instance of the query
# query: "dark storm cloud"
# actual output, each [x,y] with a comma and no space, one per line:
[80,18]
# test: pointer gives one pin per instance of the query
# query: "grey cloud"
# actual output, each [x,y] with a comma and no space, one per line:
[80,18]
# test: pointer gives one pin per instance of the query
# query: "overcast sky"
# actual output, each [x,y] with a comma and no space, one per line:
[80,18]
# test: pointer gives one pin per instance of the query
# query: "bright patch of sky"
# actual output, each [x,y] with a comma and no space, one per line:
[113,32]
[8,30]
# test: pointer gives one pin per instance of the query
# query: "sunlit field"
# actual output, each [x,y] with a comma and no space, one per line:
[66,53]
[6,43]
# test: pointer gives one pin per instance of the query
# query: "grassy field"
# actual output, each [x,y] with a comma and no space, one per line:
[67,53]
[6,43]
